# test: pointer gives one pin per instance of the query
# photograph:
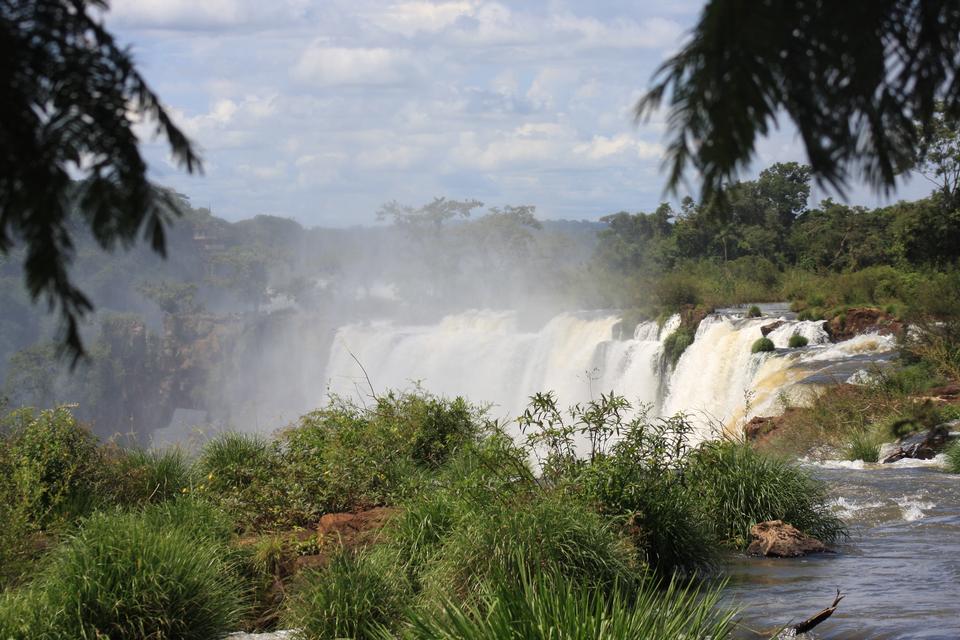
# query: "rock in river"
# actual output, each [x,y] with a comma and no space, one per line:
[777,539]
[923,445]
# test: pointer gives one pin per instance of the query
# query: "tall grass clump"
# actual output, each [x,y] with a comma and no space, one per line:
[549,531]
[797,341]
[141,476]
[863,445]
[738,487]
[762,345]
[953,457]
[243,473]
[353,597]
[540,605]
[135,575]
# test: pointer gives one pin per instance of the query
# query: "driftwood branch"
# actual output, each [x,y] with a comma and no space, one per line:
[365,375]
[817,618]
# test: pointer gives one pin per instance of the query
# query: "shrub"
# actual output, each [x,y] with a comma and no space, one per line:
[676,343]
[754,312]
[49,464]
[738,487]
[353,597]
[762,345]
[797,341]
[49,477]
[543,606]
[124,577]
[346,457]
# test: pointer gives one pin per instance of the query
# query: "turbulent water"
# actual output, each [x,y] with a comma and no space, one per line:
[490,356]
[900,570]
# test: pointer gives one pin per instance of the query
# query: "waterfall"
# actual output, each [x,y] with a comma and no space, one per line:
[489,357]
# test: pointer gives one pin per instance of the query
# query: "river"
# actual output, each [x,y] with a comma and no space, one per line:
[900,571]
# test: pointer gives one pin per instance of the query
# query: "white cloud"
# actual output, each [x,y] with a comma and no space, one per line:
[264,172]
[623,144]
[389,157]
[325,65]
[410,18]
[206,14]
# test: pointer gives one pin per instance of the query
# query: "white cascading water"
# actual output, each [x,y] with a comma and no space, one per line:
[487,357]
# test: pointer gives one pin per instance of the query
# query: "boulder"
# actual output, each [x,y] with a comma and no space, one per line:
[769,328]
[760,426]
[922,446]
[777,539]
[859,320]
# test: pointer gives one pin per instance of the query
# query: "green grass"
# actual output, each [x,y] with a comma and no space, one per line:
[234,460]
[953,457]
[762,345]
[754,312]
[738,487]
[144,476]
[543,606]
[797,341]
[134,575]
[353,597]
[676,343]
[864,445]
[551,532]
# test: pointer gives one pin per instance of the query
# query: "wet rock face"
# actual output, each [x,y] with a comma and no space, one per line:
[922,446]
[861,320]
[778,539]
[767,329]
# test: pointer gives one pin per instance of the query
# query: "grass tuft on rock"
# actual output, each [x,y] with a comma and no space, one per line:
[762,345]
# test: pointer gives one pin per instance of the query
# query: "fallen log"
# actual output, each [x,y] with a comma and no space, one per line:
[817,618]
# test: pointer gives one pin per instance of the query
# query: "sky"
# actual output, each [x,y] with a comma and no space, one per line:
[323,110]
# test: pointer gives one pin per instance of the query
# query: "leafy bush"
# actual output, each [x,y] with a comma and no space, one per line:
[738,487]
[49,477]
[762,345]
[49,465]
[797,341]
[353,597]
[139,575]
[543,606]
[346,457]
[754,312]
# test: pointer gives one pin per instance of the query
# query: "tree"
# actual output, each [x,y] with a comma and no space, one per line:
[938,159]
[71,98]
[861,81]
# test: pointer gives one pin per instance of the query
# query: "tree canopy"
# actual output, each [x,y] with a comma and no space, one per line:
[861,81]
[69,155]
